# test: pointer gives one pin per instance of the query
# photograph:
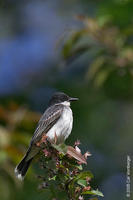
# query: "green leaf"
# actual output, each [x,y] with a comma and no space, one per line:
[77,52]
[93,192]
[84,175]
[81,176]
[82,182]
[53,178]
[80,167]
[95,67]
[61,148]
[71,43]
[101,78]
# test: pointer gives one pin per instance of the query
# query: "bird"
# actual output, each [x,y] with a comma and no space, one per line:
[55,124]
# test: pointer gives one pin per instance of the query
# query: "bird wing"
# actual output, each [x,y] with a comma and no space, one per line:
[48,119]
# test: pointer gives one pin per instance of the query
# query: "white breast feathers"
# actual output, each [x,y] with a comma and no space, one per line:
[63,126]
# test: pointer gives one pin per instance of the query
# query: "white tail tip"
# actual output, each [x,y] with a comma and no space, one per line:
[18,175]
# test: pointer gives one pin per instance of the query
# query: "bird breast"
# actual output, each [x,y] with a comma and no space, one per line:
[63,127]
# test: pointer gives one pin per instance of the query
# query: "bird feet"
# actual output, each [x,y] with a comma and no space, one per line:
[43,140]
[55,138]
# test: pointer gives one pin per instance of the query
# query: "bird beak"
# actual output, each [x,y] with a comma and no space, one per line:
[73,99]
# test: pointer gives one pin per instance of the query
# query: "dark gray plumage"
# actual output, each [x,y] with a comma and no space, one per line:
[48,119]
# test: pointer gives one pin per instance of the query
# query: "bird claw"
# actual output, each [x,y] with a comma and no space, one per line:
[55,138]
[43,140]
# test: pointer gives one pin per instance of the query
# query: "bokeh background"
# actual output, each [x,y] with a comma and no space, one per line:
[83,48]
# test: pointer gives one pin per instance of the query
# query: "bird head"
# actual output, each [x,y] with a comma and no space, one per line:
[60,97]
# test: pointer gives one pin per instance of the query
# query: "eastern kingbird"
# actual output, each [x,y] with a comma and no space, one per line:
[56,121]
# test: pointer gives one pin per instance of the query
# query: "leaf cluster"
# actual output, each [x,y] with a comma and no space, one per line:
[111,49]
[62,176]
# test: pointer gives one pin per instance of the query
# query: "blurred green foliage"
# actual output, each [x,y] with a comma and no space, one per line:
[109,40]
[17,122]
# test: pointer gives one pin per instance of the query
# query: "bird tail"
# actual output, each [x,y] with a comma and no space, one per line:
[22,167]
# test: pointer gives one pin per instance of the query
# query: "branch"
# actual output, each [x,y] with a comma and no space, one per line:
[62,172]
